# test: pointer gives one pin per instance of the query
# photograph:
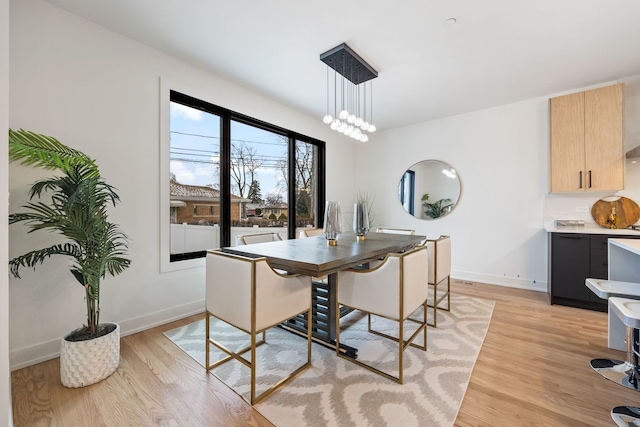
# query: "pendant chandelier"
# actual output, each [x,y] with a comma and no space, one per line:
[352,93]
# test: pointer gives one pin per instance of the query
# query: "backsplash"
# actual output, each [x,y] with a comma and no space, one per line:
[566,206]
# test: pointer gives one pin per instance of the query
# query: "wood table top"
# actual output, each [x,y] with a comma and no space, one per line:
[312,256]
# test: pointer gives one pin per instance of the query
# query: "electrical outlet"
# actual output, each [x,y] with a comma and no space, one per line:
[582,209]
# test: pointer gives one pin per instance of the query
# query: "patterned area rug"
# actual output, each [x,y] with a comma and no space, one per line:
[336,392]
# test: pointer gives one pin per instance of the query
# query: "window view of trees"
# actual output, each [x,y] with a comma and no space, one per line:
[305,168]
[259,163]
[258,175]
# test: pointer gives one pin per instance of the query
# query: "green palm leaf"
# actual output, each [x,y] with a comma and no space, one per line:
[46,152]
[77,210]
[33,258]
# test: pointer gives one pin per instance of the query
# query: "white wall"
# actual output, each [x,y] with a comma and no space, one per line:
[496,228]
[5,378]
[501,156]
[99,92]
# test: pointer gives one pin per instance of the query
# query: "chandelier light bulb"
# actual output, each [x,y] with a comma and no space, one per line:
[349,93]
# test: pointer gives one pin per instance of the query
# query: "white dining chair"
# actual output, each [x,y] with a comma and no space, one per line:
[310,232]
[247,239]
[249,295]
[439,270]
[387,230]
[394,290]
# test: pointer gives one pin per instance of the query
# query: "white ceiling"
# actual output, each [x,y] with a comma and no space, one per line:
[499,51]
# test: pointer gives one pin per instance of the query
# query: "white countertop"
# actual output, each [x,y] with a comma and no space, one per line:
[631,245]
[606,289]
[592,229]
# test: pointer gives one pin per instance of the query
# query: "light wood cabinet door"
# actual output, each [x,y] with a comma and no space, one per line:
[567,143]
[586,150]
[604,157]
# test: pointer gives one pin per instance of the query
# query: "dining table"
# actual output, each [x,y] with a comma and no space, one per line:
[314,257]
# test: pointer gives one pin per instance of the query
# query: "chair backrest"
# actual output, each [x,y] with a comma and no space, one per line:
[233,281]
[439,259]
[395,231]
[310,232]
[247,239]
[377,290]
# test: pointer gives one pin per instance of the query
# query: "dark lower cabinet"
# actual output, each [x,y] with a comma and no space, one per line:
[572,258]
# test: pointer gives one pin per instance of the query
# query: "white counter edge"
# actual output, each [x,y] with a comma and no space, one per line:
[593,230]
[631,245]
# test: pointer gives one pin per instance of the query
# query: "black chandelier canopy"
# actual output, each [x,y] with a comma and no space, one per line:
[354,117]
[348,64]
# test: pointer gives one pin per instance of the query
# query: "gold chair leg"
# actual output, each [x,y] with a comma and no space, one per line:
[437,301]
[237,355]
[256,399]
[402,344]
[434,306]
[448,295]
[253,366]
[206,340]
[400,348]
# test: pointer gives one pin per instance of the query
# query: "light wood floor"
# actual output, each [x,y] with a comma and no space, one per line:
[533,370]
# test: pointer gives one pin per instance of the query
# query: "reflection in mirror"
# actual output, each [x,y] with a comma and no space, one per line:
[429,189]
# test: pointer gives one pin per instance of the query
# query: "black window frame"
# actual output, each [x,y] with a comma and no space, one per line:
[226,117]
[410,198]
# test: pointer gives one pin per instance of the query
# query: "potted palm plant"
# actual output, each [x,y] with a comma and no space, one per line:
[77,211]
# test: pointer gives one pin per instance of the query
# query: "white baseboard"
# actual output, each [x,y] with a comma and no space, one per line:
[27,356]
[44,351]
[511,282]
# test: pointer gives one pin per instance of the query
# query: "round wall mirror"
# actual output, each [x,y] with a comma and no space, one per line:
[430,189]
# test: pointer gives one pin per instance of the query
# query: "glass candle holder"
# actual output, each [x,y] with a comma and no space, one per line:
[332,222]
[360,220]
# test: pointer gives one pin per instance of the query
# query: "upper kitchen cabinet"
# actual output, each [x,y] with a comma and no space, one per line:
[586,141]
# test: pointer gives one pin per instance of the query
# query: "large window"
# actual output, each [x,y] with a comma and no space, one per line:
[232,175]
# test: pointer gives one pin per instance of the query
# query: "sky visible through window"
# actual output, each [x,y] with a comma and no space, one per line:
[195,150]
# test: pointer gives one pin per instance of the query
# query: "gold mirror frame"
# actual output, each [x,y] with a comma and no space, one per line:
[429,189]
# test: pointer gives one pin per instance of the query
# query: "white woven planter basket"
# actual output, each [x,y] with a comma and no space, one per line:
[84,363]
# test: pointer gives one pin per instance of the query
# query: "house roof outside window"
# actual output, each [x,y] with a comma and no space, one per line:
[199,193]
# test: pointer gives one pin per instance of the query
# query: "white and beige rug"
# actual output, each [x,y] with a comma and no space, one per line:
[336,392]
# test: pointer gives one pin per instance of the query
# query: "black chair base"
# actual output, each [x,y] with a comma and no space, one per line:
[618,371]
[626,416]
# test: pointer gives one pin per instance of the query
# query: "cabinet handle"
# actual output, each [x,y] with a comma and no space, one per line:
[570,237]
[580,180]
[589,179]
